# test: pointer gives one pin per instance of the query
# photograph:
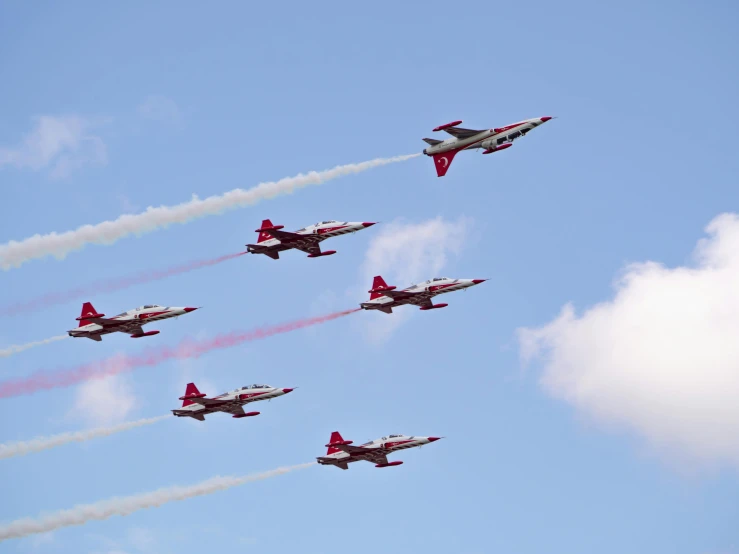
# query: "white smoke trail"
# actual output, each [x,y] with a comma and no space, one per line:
[21,448]
[14,349]
[79,515]
[15,253]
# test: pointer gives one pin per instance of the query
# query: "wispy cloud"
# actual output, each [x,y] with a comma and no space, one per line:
[58,144]
[405,253]
[161,109]
[104,401]
[660,357]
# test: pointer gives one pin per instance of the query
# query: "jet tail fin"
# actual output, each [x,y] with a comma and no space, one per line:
[190,390]
[432,142]
[87,309]
[443,161]
[335,437]
[377,283]
[264,235]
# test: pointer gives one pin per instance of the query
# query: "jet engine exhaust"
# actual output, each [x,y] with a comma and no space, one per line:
[111,285]
[126,505]
[188,348]
[14,349]
[15,253]
[21,448]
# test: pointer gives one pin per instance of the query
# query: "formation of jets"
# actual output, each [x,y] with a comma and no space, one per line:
[94,325]
[271,241]
[489,140]
[196,405]
[341,453]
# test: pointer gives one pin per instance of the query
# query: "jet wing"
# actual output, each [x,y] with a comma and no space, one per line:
[460,133]
[96,338]
[106,322]
[287,236]
[233,409]
[374,455]
[399,294]
[208,402]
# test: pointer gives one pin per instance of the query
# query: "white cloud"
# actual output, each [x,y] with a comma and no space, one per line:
[662,357]
[406,253]
[60,144]
[160,108]
[104,401]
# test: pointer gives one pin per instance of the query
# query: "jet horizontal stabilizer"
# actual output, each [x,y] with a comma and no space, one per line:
[89,316]
[268,229]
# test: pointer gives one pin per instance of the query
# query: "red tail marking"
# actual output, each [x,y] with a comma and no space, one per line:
[263,235]
[335,437]
[191,389]
[377,283]
[87,309]
[443,161]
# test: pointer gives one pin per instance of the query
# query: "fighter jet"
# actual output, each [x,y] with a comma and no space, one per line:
[490,140]
[385,298]
[94,325]
[340,452]
[272,240]
[196,405]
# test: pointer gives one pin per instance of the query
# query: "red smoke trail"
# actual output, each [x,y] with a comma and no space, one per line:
[111,285]
[188,348]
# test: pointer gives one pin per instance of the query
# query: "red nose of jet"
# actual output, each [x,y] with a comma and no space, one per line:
[188,310]
[478,281]
[287,390]
[433,439]
[367,224]
[545,119]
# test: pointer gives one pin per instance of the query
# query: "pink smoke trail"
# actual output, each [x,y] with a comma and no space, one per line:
[188,348]
[111,285]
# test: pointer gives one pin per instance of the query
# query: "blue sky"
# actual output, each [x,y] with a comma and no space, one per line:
[169,100]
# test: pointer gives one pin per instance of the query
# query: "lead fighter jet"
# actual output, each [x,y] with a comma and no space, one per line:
[490,140]
[94,325]
[340,452]
[272,240]
[385,298]
[196,405]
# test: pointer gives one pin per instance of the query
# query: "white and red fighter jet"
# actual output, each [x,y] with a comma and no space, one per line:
[385,298]
[272,240]
[197,406]
[341,453]
[94,325]
[490,140]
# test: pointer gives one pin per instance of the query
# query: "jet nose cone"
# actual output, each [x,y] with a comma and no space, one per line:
[287,390]
[188,310]
[545,119]
[368,224]
[478,281]
[434,439]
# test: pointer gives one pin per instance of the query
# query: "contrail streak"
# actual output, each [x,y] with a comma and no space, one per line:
[14,349]
[15,253]
[21,448]
[189,348]
[111,285]
[123,506]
